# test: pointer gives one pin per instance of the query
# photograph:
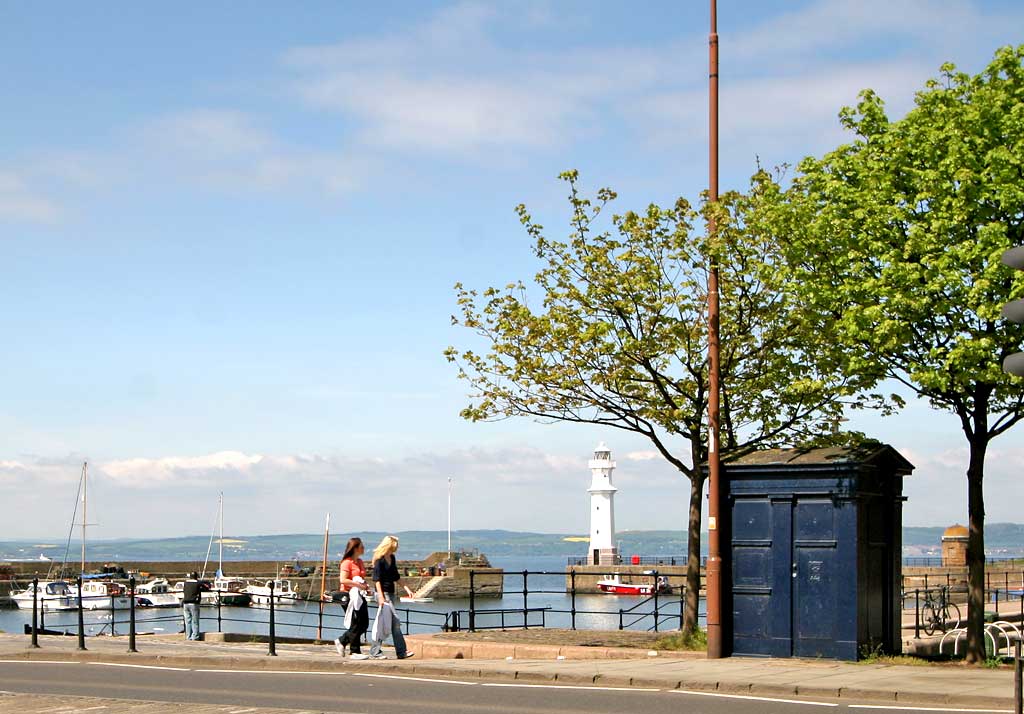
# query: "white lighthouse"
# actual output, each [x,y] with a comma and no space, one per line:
[602,508]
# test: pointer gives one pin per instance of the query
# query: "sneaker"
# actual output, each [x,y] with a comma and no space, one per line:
[358,655]
[408,655]
[339,646]
[379,655]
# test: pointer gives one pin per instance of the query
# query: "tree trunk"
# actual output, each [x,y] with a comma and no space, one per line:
[976,551]
[692,604]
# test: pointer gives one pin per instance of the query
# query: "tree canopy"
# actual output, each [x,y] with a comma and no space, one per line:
[893,250]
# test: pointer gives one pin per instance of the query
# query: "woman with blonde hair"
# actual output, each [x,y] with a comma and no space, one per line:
[385,576]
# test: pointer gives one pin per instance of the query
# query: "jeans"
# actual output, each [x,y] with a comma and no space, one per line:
[360,624]
[191,613]
[396,636]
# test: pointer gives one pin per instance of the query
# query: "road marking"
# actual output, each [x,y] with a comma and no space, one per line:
[751,697]
[36,661]
[265,671]
[927,709]
[139,666]
[242,711]
[412,679]
[573,686]
[90,709]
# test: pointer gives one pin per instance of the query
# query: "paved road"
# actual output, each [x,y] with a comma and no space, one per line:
[351,692]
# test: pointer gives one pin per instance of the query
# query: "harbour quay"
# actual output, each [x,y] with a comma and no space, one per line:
[441,575]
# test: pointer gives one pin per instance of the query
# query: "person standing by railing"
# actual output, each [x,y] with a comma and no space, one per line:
[190,595]
[351,568]
[385,576]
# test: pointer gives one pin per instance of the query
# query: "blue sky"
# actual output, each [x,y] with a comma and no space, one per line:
[229,237]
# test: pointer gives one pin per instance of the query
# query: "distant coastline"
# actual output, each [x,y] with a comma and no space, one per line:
[1001,539]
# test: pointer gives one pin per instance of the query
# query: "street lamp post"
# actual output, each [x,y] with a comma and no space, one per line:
[713,591]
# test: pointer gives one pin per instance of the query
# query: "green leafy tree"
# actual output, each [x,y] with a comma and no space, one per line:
[894,248]
[617,337]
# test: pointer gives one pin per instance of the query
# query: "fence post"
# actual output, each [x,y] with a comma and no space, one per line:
[682,606]
[917,614]
[272,651]
[655,577]
[218,613]
[1018,689]
[472,601]
[113,614]
[526,614]
[35,608]
[131,614]
[620,618]
[81,619]
[572,581]
[42,611]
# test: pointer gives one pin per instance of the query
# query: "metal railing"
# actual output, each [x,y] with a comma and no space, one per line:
[664,606]
[672,560]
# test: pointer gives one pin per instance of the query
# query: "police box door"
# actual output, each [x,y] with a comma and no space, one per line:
[783,576]
[814,577]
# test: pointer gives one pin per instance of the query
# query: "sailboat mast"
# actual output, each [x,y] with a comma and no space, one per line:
[85,507]
[220,556]
[449,517]
[323,578]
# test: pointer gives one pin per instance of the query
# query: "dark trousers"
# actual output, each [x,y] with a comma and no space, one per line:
[360,624]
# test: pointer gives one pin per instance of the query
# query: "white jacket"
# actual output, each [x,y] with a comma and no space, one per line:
[382,623]
[355,601]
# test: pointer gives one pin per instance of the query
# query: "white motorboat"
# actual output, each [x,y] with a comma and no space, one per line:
[283,593]
[51,595]
[156,593]
[230,591]
[104,595]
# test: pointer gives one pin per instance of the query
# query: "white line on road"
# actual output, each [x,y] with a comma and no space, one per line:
[572,686]
[242,711]
[91,709]
[927,709]
[139,666]
[412,679]
[751,697]
[36,661]
[266,671]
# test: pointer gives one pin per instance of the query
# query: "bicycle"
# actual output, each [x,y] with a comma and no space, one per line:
[939,613]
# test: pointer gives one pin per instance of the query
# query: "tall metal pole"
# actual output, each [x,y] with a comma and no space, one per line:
[449,517]
[714,562]
[323,579]
[85,506]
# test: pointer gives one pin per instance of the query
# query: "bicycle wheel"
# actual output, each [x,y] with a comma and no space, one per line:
[931,622]
[952,616]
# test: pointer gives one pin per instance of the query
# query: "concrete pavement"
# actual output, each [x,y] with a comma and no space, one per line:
[952,685]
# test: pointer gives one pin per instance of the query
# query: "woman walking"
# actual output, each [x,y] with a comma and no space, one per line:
[352,582]
[385,576]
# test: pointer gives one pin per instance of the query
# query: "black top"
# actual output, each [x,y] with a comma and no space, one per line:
[190,592]
[385,572]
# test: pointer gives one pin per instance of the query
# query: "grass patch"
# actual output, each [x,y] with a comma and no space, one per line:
[696,640]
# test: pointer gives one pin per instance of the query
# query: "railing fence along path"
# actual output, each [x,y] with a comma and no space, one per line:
[934,608]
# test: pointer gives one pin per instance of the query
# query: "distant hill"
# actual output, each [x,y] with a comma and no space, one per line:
[999,538]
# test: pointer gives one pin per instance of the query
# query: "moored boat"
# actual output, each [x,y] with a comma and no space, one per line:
[615,586]
[156,593]
[283,593]
[231,591]
[51,595]
[103,595]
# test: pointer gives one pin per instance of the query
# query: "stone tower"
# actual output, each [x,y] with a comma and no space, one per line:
[602,508]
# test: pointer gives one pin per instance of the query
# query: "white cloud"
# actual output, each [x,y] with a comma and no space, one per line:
[22,202]
[228,150]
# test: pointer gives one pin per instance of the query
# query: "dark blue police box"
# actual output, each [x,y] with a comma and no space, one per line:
[811,545]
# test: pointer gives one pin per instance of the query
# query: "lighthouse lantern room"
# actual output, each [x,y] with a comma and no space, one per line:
[602,508]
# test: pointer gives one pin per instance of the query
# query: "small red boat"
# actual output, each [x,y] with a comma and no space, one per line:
[615,586]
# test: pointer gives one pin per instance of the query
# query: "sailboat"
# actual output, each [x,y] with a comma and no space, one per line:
[230,591]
